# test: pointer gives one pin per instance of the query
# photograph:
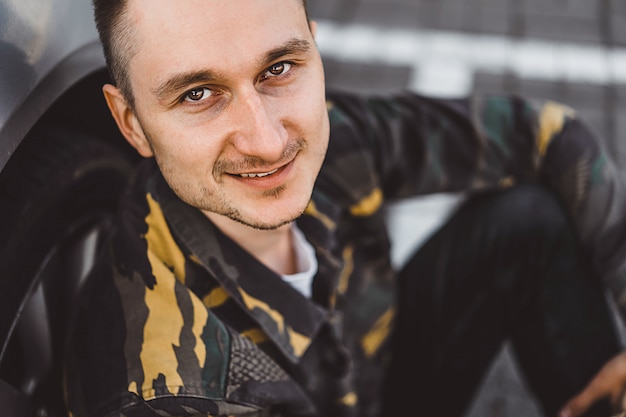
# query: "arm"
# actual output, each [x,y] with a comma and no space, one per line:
[580,170]
[423,145]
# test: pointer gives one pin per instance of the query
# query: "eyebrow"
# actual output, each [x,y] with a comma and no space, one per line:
[292,47]
[181,81]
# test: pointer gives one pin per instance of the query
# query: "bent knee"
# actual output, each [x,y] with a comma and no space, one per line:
[524,210]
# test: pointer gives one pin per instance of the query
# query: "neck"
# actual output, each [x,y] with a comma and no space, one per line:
[273,248]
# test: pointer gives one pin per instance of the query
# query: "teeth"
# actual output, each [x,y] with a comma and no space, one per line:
[265,174]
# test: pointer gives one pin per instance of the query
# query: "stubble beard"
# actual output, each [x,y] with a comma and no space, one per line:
[215,201]
[224,208]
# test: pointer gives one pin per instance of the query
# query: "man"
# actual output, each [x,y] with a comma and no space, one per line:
[249,271]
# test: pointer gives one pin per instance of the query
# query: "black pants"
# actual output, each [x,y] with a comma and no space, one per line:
[507,266]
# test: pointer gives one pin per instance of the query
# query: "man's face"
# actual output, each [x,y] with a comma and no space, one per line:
[230,100]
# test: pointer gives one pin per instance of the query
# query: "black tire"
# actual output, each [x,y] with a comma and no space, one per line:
[57,196]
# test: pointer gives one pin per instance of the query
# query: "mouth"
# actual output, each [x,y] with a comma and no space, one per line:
[256,172]
[269,178]
[259,174]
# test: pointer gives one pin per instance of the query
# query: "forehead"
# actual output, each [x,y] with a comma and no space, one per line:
[211,32]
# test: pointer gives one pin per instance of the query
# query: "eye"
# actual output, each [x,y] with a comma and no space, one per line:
[277,69]
[198,94]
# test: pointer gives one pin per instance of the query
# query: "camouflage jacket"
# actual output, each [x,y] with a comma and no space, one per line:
[178,320]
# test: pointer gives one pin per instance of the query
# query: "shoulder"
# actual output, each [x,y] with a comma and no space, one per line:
[158,347]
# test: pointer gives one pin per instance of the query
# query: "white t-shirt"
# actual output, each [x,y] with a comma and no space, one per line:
[306,263]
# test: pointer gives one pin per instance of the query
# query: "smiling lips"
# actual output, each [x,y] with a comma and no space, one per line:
[259,175]
[273,177]
[266,180]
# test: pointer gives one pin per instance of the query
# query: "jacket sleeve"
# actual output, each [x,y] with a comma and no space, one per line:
[425,145]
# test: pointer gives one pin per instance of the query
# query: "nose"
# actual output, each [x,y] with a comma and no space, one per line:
[259,130]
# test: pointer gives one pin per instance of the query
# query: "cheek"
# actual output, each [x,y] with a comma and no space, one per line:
[184,160]
[185,148]
[317,108]
[318,123]
[182,142]
[308,109]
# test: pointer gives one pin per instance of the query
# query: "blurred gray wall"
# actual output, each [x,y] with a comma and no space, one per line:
[572,51]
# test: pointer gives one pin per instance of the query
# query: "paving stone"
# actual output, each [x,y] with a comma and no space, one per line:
[503,392]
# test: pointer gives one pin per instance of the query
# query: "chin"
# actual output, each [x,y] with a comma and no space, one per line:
[272,221]
[259,224]
[279,212]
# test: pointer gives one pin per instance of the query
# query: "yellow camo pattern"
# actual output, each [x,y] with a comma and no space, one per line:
[368,205]
[349,399]
[298,342]
[551,121]
[161,331]
[255,335]
[372,341]
[161,242]
[216,298]
[348,268]
[312,211]
[200,317]
[165,321]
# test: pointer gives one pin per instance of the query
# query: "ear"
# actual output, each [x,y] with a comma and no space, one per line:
[126,120]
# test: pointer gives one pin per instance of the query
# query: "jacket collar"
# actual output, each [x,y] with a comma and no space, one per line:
[287,318]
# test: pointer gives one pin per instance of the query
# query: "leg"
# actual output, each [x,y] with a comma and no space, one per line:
[507,265]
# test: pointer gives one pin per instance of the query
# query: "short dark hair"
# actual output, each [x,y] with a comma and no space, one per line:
[117,41]
[115,36]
